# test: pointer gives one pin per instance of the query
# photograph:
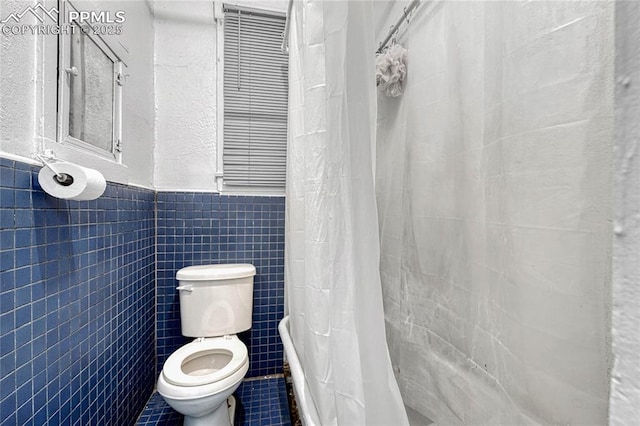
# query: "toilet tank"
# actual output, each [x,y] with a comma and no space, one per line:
[215,300]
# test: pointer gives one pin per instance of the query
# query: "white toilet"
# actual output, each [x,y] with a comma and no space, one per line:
[216,302]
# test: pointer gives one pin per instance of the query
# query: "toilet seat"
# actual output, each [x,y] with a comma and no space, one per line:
[202,362]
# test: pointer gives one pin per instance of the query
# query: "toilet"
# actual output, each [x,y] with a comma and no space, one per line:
[197,380]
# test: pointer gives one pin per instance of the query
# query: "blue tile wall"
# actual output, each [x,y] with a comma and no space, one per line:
[206,228]
[78,301]
[77,312]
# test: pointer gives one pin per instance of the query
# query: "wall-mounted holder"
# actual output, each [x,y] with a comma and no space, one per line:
[69,181]
[62,178]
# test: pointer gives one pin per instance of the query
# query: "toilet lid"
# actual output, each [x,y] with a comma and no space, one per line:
[204,362]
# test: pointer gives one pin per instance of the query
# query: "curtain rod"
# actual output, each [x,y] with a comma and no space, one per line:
[407,11]
[394,29]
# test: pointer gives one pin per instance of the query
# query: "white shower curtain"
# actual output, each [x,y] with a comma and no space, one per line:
[332,248]
[493,180]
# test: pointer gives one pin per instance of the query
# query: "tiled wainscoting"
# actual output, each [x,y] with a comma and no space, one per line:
[197,229]
[78,307]
[76,303]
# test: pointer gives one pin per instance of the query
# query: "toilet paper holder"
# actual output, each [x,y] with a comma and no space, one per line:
[62,178]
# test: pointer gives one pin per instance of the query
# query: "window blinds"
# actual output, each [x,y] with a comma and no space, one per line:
[255,99]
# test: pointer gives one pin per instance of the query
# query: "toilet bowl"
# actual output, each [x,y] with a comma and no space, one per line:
[198,378]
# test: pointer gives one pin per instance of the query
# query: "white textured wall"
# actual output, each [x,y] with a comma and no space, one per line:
[494,192]
[185,92]
[22,70]
[138,103]
[17,88]
[169,105]
[625,382]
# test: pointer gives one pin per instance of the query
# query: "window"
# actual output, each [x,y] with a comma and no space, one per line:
[89,89]
[255,100]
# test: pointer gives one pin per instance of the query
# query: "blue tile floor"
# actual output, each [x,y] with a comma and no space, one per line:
[157,412]
[262,402]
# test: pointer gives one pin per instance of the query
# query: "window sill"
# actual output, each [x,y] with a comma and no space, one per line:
[111,170]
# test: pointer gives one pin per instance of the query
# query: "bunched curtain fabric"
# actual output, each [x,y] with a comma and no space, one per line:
[332,248]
